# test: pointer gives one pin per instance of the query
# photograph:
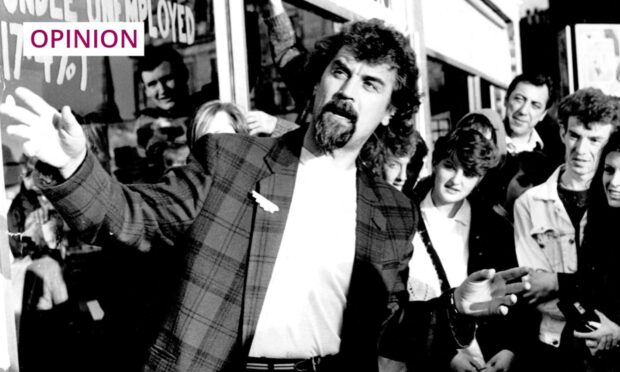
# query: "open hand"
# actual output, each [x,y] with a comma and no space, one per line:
[544,287]
[53,137]
[486,292]
[260,122]
[606,337]
[49,272]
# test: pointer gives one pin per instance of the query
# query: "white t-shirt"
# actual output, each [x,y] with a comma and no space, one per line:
[302,313]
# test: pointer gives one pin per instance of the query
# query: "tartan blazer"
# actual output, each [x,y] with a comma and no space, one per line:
[203,213]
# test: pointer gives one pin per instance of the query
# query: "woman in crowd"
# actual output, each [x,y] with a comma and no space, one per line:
[216,117]
[455,238]
[397,158]
[598,264]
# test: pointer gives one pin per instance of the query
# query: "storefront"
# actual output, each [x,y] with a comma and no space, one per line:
[473,54]
[467,53]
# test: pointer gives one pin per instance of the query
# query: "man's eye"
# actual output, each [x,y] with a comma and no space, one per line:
[338,72]
[370,86]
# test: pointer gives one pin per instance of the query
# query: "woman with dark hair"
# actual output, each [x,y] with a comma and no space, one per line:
[599,287]
[455,238]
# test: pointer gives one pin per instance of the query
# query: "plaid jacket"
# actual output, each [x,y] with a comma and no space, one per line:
[204,213]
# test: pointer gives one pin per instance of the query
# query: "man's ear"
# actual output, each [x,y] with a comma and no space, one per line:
[388,116]
[562,130]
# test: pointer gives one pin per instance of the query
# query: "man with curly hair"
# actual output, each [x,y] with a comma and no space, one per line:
[549,219]
[289,256]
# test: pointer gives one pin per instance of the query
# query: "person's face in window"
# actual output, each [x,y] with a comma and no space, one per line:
[352,99]
[161,86]
[395,170]
[611,178]
[584,146]
[525,107]
[452,184]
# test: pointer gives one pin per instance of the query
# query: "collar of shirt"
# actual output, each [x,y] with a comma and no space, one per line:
[325,163]
[530,145]
[462,216]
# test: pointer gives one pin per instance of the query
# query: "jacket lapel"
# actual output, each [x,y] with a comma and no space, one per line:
[277,187]
[370,222]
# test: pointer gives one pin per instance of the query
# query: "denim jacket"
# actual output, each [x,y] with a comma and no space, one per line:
[545,240]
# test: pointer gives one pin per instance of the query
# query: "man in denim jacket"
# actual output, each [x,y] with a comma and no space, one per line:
[549,218]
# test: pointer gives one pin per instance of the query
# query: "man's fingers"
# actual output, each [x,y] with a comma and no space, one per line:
[45,301]
[592,336]
[498,306]
[31,148]
[19,115]
[21,131]
[517,288]
[69,122]
[9,100]
[34,102]
[59,292]
[514,273]
[481,275]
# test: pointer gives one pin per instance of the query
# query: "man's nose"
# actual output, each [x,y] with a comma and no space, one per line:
[524,108]
[580,146]
[159,86]
[402,174]
[347,89]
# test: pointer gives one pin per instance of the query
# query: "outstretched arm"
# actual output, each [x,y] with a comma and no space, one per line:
[486,292]
[53,137]
[100,209]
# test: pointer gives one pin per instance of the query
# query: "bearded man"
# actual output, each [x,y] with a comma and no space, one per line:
[291,257]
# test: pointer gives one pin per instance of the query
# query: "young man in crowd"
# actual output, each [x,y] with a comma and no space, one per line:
[549,219]
[292,257]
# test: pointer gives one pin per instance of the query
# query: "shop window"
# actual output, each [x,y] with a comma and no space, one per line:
[131,117]
[272,90]
[108,93]
[448,91]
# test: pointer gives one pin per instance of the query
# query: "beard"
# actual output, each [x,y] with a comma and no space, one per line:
[335,125]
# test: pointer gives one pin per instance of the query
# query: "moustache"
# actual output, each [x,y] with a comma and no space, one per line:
[342,108]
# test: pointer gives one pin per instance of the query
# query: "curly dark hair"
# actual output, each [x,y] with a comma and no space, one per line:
[375,43]
[537,80]
[156,55]
[467,148]
[597,193]
[600,232]
[392,140]
[589,105]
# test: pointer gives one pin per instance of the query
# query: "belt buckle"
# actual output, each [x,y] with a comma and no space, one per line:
[308,365]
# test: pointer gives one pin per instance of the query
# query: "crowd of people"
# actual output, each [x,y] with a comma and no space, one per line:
[252,243]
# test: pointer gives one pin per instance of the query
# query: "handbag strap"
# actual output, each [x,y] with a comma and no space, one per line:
[441,272]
